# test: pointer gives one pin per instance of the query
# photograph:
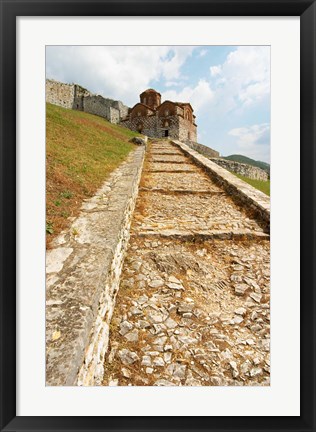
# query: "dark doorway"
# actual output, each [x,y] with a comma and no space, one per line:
[166,133]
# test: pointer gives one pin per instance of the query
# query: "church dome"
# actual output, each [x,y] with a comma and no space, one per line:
[151,98]
[150,90]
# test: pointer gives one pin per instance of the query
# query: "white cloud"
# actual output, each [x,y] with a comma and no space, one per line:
[173,83]
[170,67]
[120,72]
[202,53]
[244,78]
[200,96]
[253,141]
[215,70]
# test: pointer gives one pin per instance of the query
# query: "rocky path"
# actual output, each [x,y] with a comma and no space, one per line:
[193,304]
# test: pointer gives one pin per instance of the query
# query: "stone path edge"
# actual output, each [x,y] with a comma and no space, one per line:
[235,187]
[82,279]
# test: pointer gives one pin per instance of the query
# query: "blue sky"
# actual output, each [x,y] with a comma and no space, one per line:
[227,86]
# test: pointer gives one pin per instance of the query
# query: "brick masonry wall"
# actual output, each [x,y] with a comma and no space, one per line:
[242,169]
[155,126]
[187,130]
[148,125]
[170,123]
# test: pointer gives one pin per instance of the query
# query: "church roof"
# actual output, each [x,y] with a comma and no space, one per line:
[150,90]
[180,104]
[146,106]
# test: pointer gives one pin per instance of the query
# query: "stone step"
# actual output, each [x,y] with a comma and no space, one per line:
[175,180]
[168,171]
[167,161]
[182,191]
[193,304]
[167,152]
[203,235]
[170,166]
[192,212]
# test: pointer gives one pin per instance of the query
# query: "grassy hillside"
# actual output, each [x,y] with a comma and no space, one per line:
[81,151]
[263,186]
[244,159]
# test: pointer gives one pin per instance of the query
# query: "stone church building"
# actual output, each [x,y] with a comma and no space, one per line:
[155,119]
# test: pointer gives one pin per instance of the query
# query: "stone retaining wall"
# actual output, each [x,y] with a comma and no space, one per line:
[204,150]
[83,271]
[239,190]
[245,170]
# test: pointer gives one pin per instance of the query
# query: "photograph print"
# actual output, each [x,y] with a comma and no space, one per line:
[157,216]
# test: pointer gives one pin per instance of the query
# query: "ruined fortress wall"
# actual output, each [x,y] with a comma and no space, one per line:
[96,105]
[242,169]
[123,109]
[114,115]
[80,94]
[76,97]
[104,107]
[60,94]
[204,150]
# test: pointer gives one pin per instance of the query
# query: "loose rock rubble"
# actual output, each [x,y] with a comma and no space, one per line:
[192,308]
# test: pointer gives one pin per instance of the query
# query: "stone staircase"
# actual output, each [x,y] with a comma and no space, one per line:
[193,303]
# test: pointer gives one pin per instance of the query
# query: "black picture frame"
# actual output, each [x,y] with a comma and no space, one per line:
[306,9]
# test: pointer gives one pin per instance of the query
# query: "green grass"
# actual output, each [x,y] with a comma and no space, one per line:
[263,186]
[81,151]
